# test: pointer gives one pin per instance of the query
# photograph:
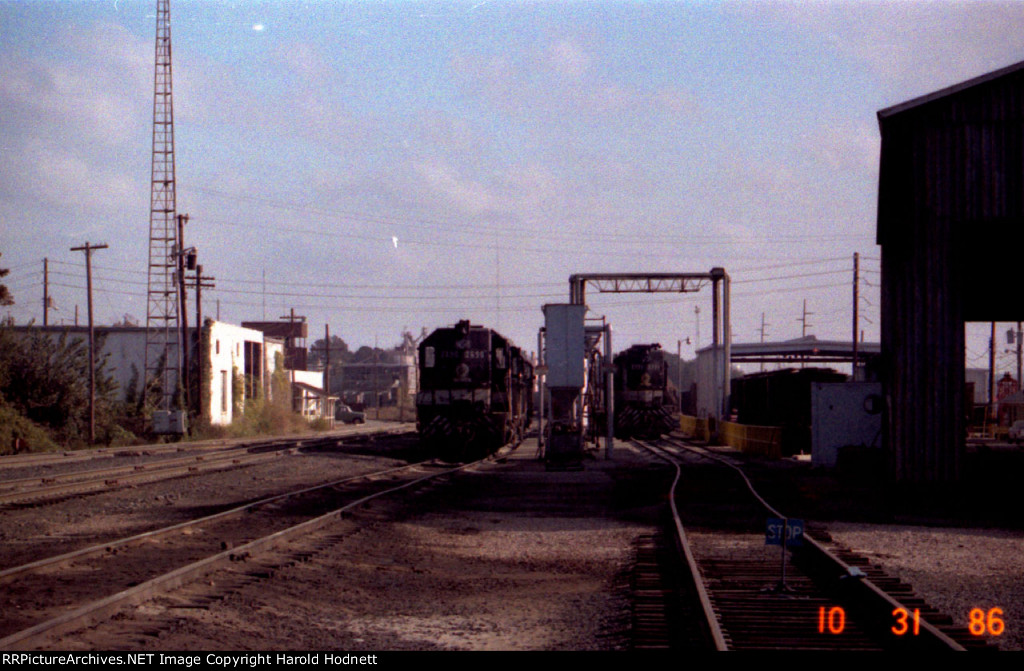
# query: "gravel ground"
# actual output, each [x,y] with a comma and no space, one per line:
[953,569]
[465,583]
[961,552]
[29,534]
[496,575]
[510,558]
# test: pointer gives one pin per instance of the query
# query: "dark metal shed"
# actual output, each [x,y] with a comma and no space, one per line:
[950,213]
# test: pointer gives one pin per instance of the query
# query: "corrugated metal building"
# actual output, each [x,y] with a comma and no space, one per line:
[950,209]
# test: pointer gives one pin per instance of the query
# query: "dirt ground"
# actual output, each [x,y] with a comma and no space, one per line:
[509,558]
[521,559]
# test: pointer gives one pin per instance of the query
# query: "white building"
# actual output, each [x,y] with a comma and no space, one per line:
[241,362]
[235,352]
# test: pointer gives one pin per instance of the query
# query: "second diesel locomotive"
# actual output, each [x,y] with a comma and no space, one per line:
[475,392]
[643,399]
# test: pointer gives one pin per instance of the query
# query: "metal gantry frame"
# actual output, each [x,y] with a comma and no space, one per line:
[674,283]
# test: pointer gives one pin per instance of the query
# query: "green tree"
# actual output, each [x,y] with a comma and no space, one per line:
[339,352]
[47,381]
[5,295]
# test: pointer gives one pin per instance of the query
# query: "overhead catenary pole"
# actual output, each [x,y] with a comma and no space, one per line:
[88,249]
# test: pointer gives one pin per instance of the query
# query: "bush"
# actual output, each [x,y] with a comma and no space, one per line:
[45,381]
[264,417]
[13,425]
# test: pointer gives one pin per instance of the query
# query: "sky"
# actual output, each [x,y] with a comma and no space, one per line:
[382,167]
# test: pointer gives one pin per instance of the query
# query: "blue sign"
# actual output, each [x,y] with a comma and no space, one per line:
[792,529]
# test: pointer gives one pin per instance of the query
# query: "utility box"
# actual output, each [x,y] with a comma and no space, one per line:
[844,415]
[169,422]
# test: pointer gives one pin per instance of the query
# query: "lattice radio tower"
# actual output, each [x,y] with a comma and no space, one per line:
[163,358]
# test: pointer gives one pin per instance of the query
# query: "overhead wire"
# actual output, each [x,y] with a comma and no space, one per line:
[491,227]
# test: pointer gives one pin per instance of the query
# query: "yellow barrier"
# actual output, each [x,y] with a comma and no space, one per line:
[765,441]
[760,440]
[694,427]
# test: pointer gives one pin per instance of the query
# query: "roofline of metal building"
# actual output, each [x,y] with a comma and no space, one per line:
[807,346]
[949,91]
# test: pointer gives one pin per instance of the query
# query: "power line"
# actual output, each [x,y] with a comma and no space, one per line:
[487,227]
[790,277]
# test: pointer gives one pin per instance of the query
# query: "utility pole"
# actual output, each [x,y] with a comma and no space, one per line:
[856,300]
[182,252]
[803,320]
[47,300]
[1020,382]
[46,292]
[290,364]
[992,371]
[376,369]
[88,249]
[763,333]
[679,374]
[327,368]
[200,282]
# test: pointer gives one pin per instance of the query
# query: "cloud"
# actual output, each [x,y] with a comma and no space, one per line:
[561,78]
[74,118]
[927,46]
[910,48]
[305,63]
[94,89]
[442,182]
[845,146]
[567,58]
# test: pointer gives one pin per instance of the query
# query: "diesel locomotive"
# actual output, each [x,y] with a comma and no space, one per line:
[475,392]
[643,400]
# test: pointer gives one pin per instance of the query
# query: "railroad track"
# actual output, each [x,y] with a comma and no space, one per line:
[51,597]
[39,490]
[60,458]
[822,602]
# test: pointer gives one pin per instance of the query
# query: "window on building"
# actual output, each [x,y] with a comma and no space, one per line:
[223,391]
